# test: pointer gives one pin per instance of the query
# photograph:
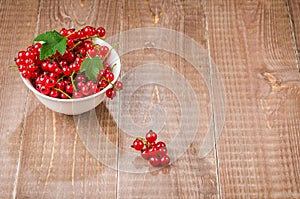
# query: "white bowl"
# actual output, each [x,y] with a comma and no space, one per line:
[80,105]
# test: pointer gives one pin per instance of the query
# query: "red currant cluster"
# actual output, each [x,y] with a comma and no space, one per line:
[154,152]
[59,75]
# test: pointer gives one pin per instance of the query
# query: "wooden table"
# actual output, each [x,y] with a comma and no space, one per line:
[231,120]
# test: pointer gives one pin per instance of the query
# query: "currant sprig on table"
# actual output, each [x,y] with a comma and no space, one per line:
[68,64]
[154,152]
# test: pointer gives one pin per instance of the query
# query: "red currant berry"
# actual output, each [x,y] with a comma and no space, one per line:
[67,70]
[69,89]
[86,90]
[29,55]
[119,85]
[154,161]
[19,61]
[63,96]
[80,78]
[94,88]
[45,65]
[77,94]
[60,85]
[165,160]
[64,32]
[79,60]
[45,90]
[111,93]
[26,74]
[103,84]
[160,144]
[54,93]
[153,151]
[109,76]
[138,144]
[80,85]
[151,136]
[50,82]
[93,52]
[162,151]
[27,62]
[88,45]
[32,68]
[101,32]
[21,68]
[69,56]
[21,54]
[145,153]
[75,67]
[100,74]
[37,47]
[41,79]
[104,50]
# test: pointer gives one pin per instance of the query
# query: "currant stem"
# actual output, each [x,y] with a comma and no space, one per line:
[63,92]
[112,68]
[72,80]
[144,141]
[60,79]
[75,45]
[13,67]
[113,85]
[113,47]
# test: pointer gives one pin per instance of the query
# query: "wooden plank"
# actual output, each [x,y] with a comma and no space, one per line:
[18,22]
[189,176]
[294,10]
[55,162]
[252,45]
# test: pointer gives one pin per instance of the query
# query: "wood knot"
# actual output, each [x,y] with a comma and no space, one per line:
[275,82]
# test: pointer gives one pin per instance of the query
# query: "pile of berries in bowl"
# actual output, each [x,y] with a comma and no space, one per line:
[71,71]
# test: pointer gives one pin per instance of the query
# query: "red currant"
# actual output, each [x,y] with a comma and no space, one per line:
[50,82]
[103,84]
[77,94]
[54,93]
[60,85]
[151,136]
[104,50]
[86,90]
[111,93]
[45,90]
[162,151]
[101,32]
[109,76]
[145,153]
[80,85]
[160,144]
[138,144]
[119,85]
[56,75]
[154,161]
[165,160]
[63,96]
[69,89]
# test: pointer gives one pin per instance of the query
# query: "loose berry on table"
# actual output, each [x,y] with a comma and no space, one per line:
[154,152]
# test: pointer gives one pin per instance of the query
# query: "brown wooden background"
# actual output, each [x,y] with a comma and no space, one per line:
[255,46]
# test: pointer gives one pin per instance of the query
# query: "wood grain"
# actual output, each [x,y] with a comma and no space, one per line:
[18,22]
[254,45]
[246,40]
[189,176]
[294,11]
[54,157]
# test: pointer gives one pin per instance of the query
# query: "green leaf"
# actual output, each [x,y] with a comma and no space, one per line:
[52,42]
[91,67]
